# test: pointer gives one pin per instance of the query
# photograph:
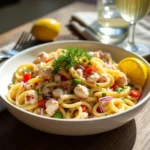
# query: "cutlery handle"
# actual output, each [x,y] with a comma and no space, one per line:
[4,57]
[84,31]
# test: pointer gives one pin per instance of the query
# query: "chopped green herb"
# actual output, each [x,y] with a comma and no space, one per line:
[75,82]
[130,84]
[90,92]
[97,84]
[69,57]
[119,90]
[9,86]
[103,94]
[58,115]
[123,98]
[41,89]
[26,71]
[92,73]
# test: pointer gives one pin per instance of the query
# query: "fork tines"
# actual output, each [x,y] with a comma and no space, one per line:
[23,42]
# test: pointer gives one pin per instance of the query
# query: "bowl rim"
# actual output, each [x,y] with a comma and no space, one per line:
[6,102]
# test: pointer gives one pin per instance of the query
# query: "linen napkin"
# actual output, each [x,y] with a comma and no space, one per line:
[89,20]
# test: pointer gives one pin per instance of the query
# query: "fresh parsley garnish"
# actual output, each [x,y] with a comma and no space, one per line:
[119,90]
[123,98]
[97,84]
[41,89]
[26,71]
[103,94]
[69,57]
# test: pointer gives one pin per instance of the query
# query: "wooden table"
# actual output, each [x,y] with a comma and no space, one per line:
[15,135]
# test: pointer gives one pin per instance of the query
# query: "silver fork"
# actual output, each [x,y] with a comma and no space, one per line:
[23,42]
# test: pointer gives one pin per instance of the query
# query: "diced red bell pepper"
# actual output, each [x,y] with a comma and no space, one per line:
[114,87]
[26,77]
[90,70]
[64,86]
[135,93]
[84,108]
[41,103]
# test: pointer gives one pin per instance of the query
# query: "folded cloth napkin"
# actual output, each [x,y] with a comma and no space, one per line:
[89,20]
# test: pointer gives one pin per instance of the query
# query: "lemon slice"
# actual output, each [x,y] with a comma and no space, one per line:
[135,70]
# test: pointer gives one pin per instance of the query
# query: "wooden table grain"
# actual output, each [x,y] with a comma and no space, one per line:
[14,135]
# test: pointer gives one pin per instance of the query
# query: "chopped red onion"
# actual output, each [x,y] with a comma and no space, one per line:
[81,67]
[41,111]
[101,108]
[105,102]
[106,98]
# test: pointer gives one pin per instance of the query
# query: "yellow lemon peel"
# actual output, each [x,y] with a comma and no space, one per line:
[135,69]
[45,29]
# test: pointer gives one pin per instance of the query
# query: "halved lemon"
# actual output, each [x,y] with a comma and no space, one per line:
[134,69]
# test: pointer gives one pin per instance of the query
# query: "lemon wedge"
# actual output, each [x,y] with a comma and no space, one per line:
[45,29]
[134,69]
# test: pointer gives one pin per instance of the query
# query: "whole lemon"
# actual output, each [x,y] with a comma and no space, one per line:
[45,29]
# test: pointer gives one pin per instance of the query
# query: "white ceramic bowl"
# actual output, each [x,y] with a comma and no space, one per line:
[66,126]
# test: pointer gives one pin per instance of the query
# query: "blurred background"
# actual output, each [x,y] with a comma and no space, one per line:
[14,13]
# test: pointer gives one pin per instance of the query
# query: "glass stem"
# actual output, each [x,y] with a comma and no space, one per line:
[131,33]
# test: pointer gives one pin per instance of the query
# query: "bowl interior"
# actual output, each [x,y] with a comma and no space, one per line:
[8,69]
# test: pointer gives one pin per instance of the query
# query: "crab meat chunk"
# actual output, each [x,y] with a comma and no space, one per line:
[103,78]
[121,80]
[31,97]
[37,68]
[57,92]
[47,92]
[42,57]
[51,106]
[46,72]
[94,54]
[81,91]
[93,77]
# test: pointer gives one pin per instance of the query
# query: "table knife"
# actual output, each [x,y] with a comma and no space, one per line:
[84,31]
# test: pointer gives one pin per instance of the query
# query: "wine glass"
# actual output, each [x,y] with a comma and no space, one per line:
[132,11]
